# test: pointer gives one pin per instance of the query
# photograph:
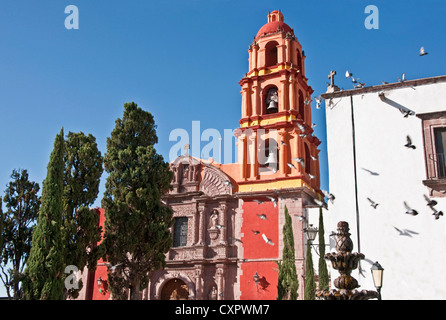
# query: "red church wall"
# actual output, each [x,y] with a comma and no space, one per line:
[98,293]
[255,247]
[266,288]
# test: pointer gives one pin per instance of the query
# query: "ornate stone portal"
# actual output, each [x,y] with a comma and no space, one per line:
[345,262]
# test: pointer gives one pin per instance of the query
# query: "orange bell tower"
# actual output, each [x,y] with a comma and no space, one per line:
[278,157]
[276,147]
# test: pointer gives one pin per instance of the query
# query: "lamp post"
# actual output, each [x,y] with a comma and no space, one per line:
[311,233]
[377,275]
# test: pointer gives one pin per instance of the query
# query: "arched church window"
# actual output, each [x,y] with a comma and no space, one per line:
[272,100]
[180,232]
[271,54]
[299,60]
[301,105]
[307,159]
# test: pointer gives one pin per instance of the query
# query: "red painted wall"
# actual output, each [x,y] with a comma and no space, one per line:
[101,270]
[255,247]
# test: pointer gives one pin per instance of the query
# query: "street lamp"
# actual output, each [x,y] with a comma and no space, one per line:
[311,232]
[377,275]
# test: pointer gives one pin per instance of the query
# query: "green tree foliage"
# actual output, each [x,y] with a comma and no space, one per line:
[45,267]
[288,283]
[22,206]
[323,270]
[137,234]
[80,231]
[310,284]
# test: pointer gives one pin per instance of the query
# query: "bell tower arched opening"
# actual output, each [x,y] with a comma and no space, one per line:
[270,100]
[271,53]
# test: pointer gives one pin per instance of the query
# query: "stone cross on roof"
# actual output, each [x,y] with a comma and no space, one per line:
[332,87]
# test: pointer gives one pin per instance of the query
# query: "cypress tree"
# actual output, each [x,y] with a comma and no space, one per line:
[310,284]
[80,231]
[137,234]
[22,207]
[287,283]
[43,275]
[323,270]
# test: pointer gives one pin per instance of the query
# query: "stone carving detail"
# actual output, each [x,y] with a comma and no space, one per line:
[214,182]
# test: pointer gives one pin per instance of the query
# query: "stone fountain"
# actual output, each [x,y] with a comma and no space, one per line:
[345,262]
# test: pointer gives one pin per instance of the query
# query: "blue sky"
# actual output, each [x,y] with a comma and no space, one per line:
[181,60]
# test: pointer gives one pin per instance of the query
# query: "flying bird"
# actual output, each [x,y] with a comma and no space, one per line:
[255,232]
[273,200]
[228,183]
[262,216]
[300,161]
[268,241]
[348,74]
[410,210]
[303,135]
[403,78]
[301,127]
[258,201]
[313,125]
[405,232]
[430,202]
[307,102]
[311,176]
[360,85]
[371,172]
[236,240]
[373,203]
[291,165]
[330,196]
[437,214]
[114,267]
[406,112]
[409,143]
[318,102]
[422,52]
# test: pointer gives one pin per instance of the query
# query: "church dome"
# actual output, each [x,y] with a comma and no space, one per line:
[275,24]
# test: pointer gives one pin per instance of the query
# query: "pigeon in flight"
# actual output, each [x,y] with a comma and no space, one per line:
[422,52]
[430,202]
[262,216]
[300,161]
[405,232]
[273,200]
[318,102]
[258,201]
[403,78]
[373,203]
[301,127]
[406,112]
[371,172]
[330,196]
[228,183]
[410,210]
[291,165]
[437,214]
[409,143]
[268,241]
[255,232]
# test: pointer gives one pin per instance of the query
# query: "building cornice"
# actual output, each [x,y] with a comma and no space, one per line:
[384,87]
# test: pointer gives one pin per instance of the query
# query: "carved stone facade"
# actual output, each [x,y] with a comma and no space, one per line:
[201,195]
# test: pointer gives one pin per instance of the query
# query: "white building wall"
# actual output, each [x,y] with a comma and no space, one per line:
[413,264]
